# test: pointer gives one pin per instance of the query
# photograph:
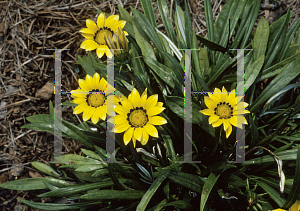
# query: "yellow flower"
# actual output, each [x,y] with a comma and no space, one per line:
[295,207]
[91,98]
[95,34]
[137,117]
[223,108]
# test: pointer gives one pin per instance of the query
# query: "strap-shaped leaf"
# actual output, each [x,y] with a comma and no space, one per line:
[149,12]
[150,192]
[164,12]
[190,181]
[208,185]
[294,194]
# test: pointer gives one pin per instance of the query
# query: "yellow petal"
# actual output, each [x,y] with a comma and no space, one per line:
[217,123]
[87,31]
[88,36]
[128,135]
[217,91]
[213,118]
[224,95]
[233,121]
[144,98]
[145,137]
[119,119]
[154,111]
[83,85]
[109,53]
[101,20]
[79,109]
[87,114]
[215,97]
[210,103]
[101,112]
[151,130]
[100,52]
[231,98]
[228,131]
[126,104]
[135,98]
[110,21]
[103,84]
[96,81]
[133,141]
[121,127]
[151,101]
[226,124]
[157,120]
[95,118]
[120,110]
[120,24]
[208,112]
[91,25]
[79,100]
[89,45]
[159,104]
[138,133]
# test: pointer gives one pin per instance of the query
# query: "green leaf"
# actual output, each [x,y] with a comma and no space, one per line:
[59,206]
[209,20]
[208,185]
[179,26]
[150,192]
[45,169]
[181,204]
[143,43]
[290,36]
[280,81]
[283,155]
[75,132]
[74,189]
[69,103]
[277,43]
[33,183]
[211,45]
[272,193]
[90,167]
[88,63]
[188,27]
[149,12]
[169,146]
[51,111]
[126,16]
[163,72]
[253,71]
[147,28]
[77,159]
[113,194]
[138,68]
[260,40]
[276,25]
[294,194]
[92,154]
[176,104]
[164,12]
[190,181]
[250,21]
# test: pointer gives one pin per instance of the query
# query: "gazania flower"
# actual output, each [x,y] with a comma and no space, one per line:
[91,98]
[137,117]
[224,108]
[95,34]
